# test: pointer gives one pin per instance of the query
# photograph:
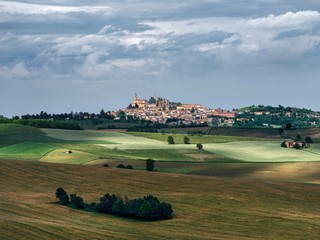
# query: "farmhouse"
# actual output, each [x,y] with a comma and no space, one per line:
[294,144]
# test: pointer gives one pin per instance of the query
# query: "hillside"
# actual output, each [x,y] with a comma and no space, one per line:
[204,207]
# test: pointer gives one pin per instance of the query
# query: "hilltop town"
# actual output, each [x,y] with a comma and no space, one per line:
[160,110]
[164,111]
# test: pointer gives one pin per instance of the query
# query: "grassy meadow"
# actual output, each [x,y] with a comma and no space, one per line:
[235,188]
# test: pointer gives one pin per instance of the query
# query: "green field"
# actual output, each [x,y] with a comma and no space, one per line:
[204,207]
[266,151]
[23,142]
[247,189]
[60,156]
[194,139]
[25,151]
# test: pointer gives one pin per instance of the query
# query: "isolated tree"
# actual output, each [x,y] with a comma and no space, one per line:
[298,137]
[149,164]
[163,132]
[199,146]
[186,140]
[288,126]
[62,195]
[170,140]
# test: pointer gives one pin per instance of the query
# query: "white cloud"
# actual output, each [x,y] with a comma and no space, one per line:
[19,70]
[42,9]
[131,63]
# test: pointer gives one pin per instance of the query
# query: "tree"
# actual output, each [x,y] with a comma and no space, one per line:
[199,146]
[119,207]
[102,113]
[288,126]
[120,165]
[129,167]
[149,164]
[77,201]
[308,139]
[62,195]
[186,140]
[170,140]
[163,132]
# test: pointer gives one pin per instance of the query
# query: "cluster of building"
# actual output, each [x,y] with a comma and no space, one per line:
[159,110]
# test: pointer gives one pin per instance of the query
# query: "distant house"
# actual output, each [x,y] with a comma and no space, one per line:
[68,152]
[294,144]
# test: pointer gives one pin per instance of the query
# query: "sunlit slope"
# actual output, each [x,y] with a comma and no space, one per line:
[204,208]
[62,156]
[264,151]
[112,139]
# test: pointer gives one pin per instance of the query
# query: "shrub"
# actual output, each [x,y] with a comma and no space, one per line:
[308,139]
[170,140]
[186,140]
[288,126]
[149,164]
[129,167]
[120,165]
[105,165]
[62,195]
[199,146]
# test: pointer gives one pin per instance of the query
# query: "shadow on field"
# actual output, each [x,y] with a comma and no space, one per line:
[291,172]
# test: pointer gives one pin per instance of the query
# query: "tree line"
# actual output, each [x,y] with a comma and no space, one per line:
[68,116]
[146,208]
[42,123]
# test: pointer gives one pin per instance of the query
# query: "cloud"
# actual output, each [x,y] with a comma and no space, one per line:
[152,45]
[19,70]
[42,9]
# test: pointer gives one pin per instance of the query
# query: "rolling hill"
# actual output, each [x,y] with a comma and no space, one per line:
[204,207]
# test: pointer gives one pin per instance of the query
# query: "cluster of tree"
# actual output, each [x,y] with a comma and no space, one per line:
[146,208]
[142,129]
[43,123]
[71,115]
[277,116]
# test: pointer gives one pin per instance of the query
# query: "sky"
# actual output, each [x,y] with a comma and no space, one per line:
[87,55]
